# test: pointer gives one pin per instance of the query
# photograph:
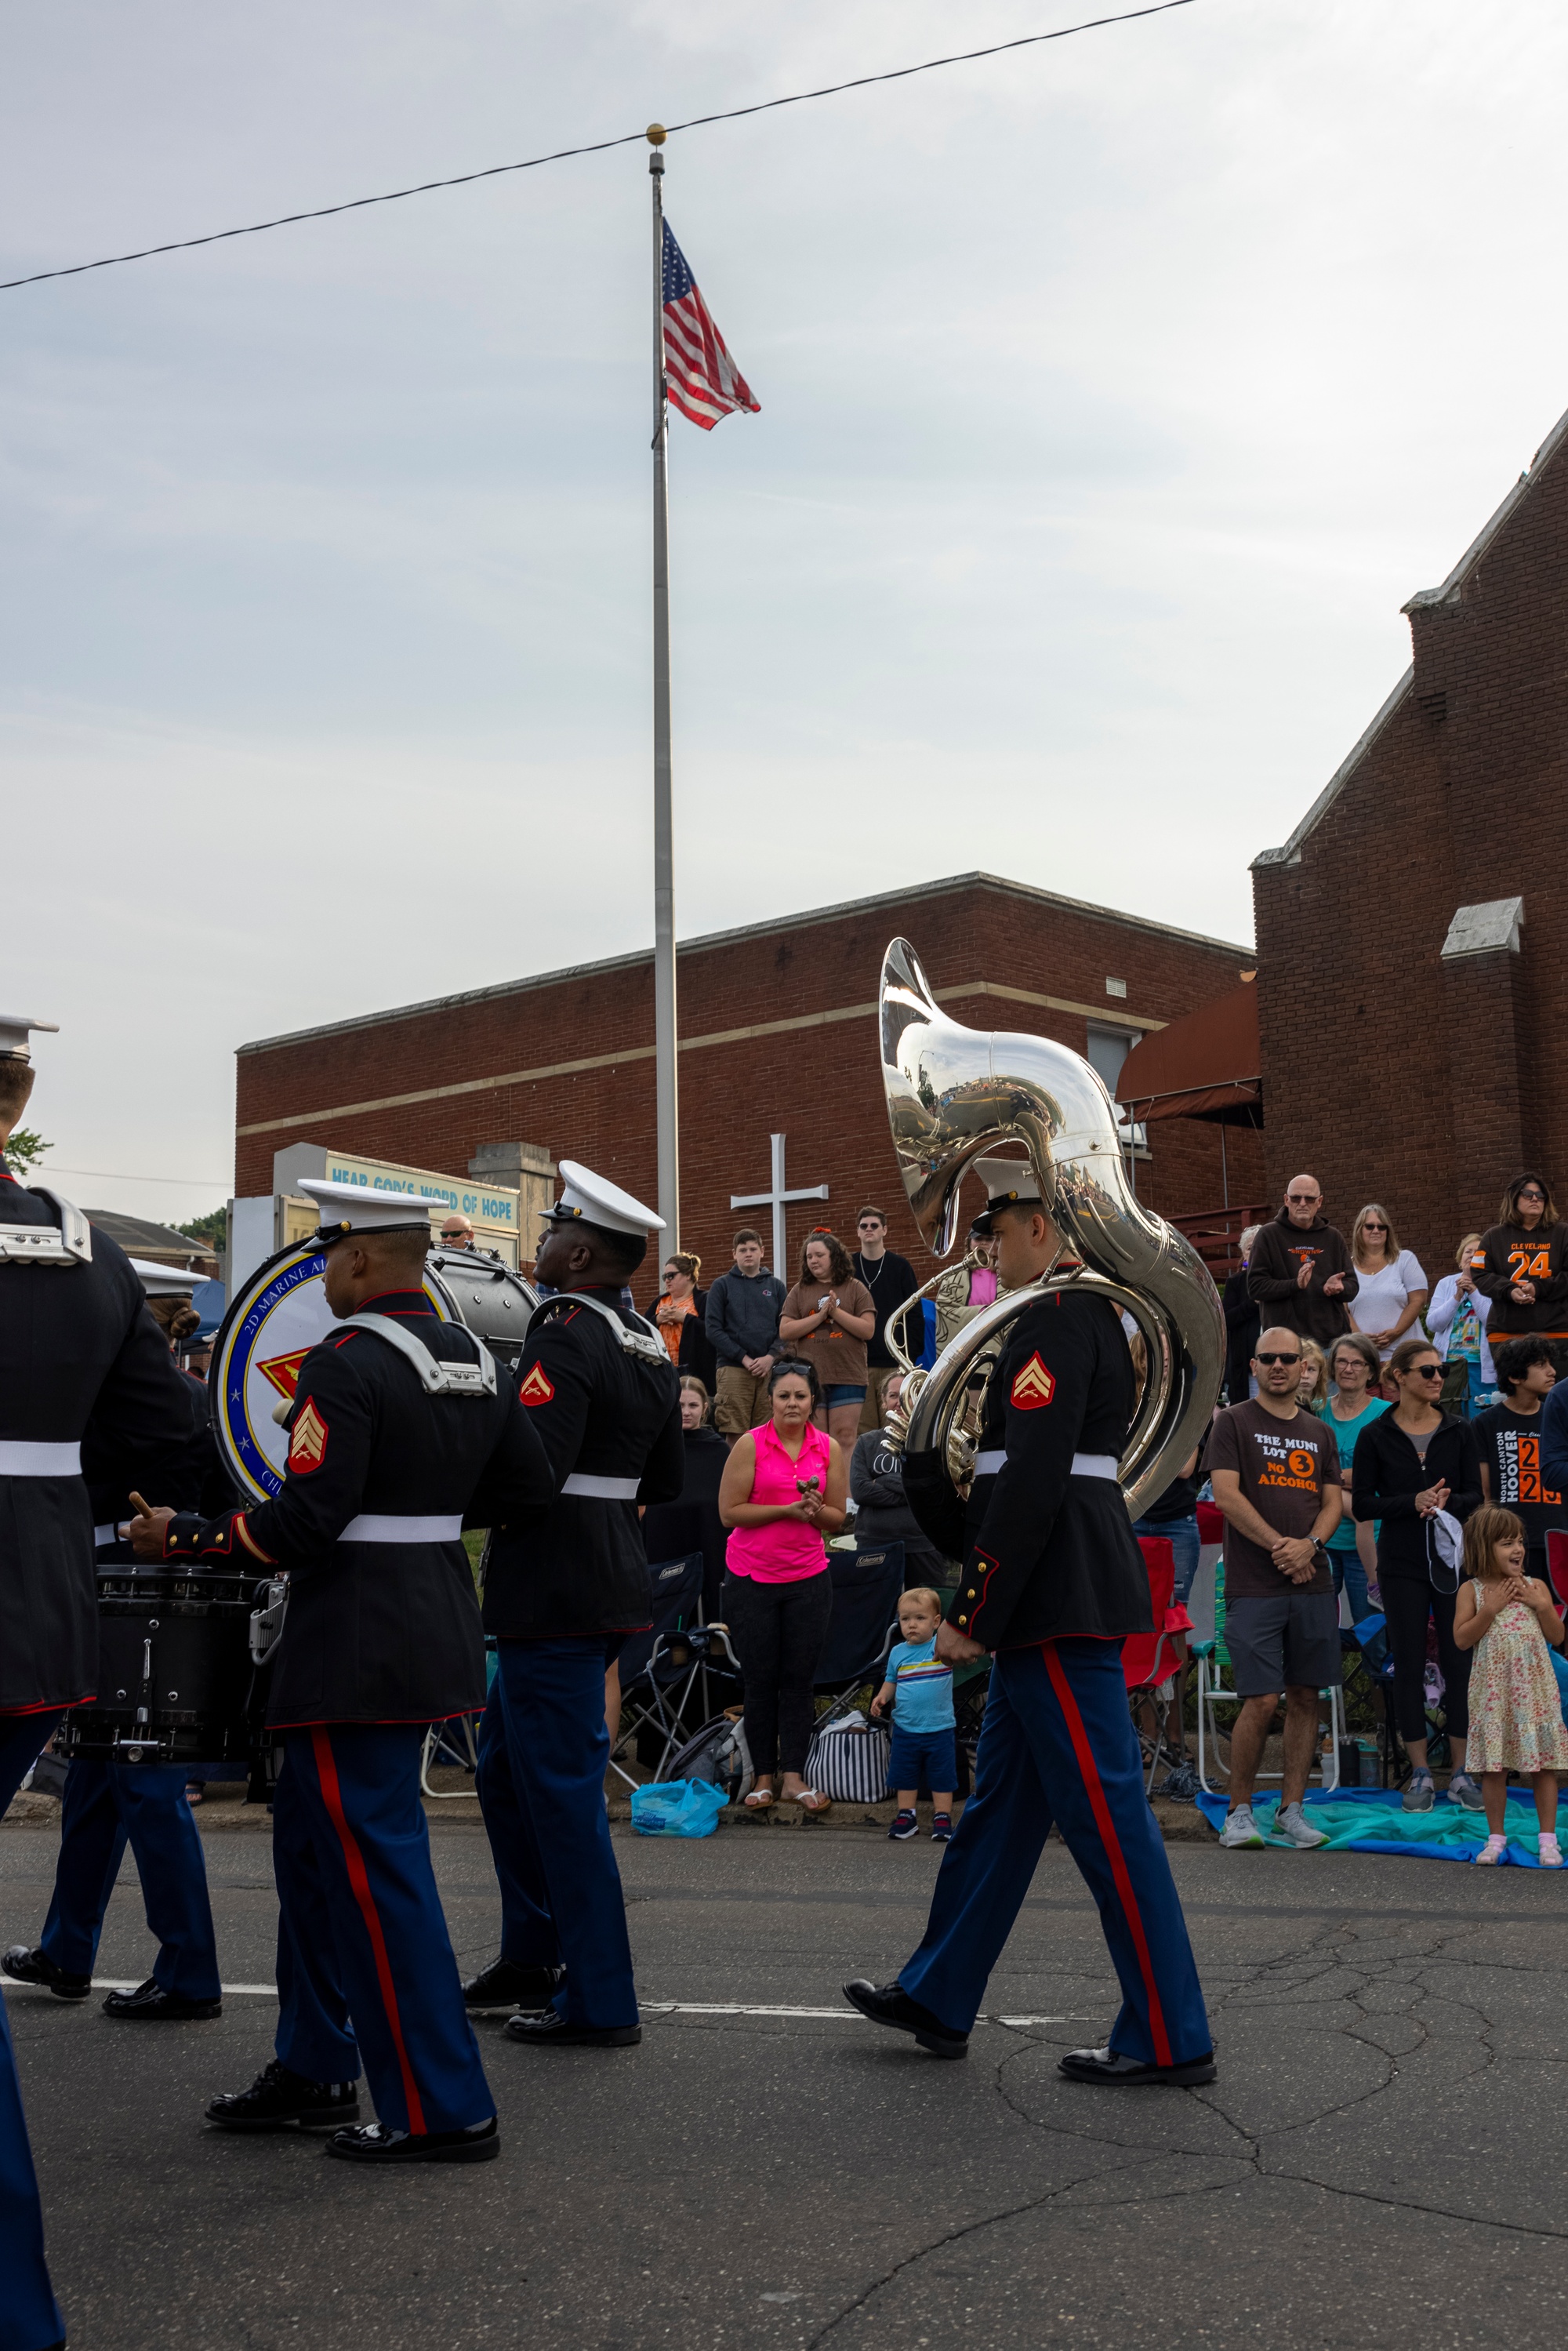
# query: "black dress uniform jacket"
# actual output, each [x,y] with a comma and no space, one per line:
[379,1631]
[1047,1555]
[602,1412]
[77,1347]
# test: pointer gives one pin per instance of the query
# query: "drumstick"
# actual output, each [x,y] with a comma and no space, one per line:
[143,1509]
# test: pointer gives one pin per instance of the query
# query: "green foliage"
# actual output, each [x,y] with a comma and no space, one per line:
[213,1229]
[24,1150]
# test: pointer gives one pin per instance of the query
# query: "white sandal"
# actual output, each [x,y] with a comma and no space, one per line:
[1551,1852]
[811,1800]
[1492,1851]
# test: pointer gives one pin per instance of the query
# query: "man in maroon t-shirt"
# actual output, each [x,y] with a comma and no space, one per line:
[1276,1476]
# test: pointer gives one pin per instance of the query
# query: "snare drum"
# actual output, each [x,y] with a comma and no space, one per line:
[175,1682]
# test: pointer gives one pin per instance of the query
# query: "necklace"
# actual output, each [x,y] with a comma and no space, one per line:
[871,1280]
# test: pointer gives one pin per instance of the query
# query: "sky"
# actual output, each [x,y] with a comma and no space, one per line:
[1115,393]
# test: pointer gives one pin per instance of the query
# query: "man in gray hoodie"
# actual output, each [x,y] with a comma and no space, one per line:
[742,1324]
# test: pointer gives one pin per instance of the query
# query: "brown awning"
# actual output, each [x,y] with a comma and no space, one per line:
[1206,1065]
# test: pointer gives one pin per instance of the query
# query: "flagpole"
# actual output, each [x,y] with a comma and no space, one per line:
[666,1083]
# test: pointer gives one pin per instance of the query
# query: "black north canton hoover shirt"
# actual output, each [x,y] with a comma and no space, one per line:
[609,1421]
[82,1365]
[380,1629]
[1509,1444]
[1047,1553]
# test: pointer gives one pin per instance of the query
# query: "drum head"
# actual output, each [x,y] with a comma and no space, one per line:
[487,1297]
[276,1317]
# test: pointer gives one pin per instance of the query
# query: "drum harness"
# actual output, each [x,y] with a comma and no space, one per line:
[644,1346]
[71,1244]
[437,1379]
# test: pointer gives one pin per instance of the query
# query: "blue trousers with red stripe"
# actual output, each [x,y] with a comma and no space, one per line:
[543,1754]
[1057,1744]
[29,2314]
[365,1967]
[106,1805]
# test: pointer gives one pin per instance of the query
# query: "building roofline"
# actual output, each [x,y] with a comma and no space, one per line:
[1289,854]
[713,939]
[1425,599]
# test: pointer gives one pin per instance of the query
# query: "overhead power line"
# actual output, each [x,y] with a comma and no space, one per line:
[594,147]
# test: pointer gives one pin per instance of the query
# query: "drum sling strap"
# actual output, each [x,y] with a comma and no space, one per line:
[437,1379]
[644,1343]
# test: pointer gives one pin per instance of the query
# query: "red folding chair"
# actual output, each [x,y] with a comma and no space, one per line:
[1150,1660]
[1557,1566]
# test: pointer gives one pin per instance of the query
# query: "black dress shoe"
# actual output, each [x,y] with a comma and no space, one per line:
[373,2143]
[1110,2065]
[29,1966]
[280,2100]
[891,2004]
[150,2004]
[504,1984]
[552,2031]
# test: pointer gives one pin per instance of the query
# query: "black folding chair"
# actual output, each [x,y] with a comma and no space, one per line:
[868,1583]
[660,1667]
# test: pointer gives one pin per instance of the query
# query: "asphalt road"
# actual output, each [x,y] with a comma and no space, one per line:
[1380,2161]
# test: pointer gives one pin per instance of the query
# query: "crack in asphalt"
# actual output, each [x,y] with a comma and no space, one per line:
[1370,1965]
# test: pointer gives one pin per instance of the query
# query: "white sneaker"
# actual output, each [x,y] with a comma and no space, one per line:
[1290,1822]
[1240,1828]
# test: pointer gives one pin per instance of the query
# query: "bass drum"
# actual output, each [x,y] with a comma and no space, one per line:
[281,1313]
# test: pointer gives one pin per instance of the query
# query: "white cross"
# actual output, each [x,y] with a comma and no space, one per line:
[775,1199]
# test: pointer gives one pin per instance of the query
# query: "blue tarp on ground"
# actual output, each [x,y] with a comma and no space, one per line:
[1371,1820]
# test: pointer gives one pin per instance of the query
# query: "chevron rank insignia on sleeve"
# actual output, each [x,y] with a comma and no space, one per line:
[536,1388]
[307,1441]
[1033,1386]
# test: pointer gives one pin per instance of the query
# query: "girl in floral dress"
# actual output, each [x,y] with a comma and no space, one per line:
[1516,1718]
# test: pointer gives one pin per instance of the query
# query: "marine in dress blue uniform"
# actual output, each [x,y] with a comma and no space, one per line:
[399,1429]
[563,1588]
[76,1345]
[1052,1581]
[108,1805]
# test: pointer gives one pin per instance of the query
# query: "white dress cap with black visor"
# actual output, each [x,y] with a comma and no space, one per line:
[163,1281]
[15,1030]
[594,1200]
[354,1212]
[1009,1183]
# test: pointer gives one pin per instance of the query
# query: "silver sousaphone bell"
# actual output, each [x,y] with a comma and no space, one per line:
[954,1094]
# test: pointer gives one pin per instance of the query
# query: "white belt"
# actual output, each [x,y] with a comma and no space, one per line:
[19,1461]
[601,1489]
[394,1527]
[1084,1465]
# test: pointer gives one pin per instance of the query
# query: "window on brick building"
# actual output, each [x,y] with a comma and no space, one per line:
[1107,1049]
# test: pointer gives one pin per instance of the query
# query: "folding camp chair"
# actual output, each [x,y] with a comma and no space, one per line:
[1213,1666]
[454,1745]
[1557,1567]
[659,1668]
[1149,1659]
[868,1583]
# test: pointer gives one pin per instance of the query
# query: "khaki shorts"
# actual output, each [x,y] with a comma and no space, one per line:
[742,1402]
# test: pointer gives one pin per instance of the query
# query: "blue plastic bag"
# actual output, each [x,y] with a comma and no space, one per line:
[684,1808]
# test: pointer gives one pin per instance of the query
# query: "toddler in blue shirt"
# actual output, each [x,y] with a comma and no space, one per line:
[919,1686]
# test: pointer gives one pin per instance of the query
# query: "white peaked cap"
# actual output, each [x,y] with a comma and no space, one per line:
[598,1202]
[1006,1179]
[349,1209]
[163,1281]
[15,1027]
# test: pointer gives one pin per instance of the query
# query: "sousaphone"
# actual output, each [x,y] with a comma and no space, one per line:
[954,1094]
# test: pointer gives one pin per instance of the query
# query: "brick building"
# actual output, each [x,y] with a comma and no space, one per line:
[1413,932]
[778,1036]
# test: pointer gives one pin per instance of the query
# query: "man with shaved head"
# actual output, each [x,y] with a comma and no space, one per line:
[1301,1273]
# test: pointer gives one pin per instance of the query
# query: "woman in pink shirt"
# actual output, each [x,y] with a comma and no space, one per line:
[784,1489]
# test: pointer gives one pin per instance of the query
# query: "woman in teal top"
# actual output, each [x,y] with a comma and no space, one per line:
[1356,1371]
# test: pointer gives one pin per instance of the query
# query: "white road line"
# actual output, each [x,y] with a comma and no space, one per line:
[134,1984]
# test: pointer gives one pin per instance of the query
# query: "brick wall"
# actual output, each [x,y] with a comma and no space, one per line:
[1389,1073]
[817,1079]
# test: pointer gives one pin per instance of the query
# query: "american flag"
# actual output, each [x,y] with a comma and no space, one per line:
[703,382]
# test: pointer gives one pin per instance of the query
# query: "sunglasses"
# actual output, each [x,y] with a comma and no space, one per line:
[1277,1359]
[1373,1225]
[1533,1196]
[1424,1372]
